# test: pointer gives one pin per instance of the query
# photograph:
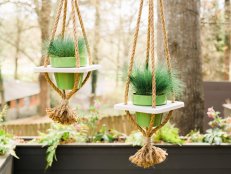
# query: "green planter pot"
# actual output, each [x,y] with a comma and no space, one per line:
[143,119]
[66,81]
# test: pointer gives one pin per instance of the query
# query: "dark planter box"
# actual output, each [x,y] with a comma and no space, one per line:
[113,159]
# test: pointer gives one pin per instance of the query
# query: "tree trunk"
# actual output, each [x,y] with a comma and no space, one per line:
[94,76]
[17,47]
[44,23]
[227,52]
[182,18]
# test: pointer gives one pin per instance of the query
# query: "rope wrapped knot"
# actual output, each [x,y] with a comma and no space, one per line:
[148,155]
[62,113]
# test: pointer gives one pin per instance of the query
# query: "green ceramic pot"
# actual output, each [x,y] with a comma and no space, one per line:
[144,119]
[66,81]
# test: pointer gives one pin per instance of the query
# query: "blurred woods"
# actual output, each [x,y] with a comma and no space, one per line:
[25,25]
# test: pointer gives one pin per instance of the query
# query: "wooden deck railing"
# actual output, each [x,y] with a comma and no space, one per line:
[120,123]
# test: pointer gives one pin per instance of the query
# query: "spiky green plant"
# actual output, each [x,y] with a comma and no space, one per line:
[65,47]
[141,80]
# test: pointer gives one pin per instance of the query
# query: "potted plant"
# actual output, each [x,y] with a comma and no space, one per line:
[141,80]
[62,55]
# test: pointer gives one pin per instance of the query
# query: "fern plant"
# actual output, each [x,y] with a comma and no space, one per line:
[59,134]
[7,144]
[65,47]
[141,80]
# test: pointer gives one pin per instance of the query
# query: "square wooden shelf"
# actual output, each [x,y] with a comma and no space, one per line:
[50,69]
[149,109]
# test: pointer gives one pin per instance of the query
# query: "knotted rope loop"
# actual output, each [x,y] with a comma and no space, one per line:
[62,113]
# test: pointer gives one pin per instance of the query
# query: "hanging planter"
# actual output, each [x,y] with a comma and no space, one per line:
[68,63]
[151,88]
[141,81]
[62,55]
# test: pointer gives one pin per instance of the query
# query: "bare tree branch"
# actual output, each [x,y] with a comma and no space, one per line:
[21,50]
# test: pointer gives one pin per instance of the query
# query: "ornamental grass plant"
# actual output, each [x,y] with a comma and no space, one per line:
[65,47]
[141,80]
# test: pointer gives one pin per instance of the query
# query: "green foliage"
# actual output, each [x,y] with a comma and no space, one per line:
[167,134]
[216,136]
[65,47]
[141,80]
[107,135]
[7,144]
[194,136]
[3,113]
[220,131]
[59,134]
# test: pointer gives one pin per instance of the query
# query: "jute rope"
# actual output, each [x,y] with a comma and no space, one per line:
[151,26]
[64,18]
[148,38]
[133,51]
[148,155]
[63,113]
[83,31]
[166,46]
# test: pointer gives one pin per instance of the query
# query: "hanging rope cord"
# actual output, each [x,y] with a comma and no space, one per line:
[149,53]
[75,8]
[166,46]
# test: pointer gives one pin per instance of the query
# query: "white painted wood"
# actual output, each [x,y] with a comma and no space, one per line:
[50,69]
[148,109]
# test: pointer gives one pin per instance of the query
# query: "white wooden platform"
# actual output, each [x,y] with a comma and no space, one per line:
[50,69]
[148,109]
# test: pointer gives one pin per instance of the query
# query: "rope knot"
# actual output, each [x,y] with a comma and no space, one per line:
[65,102]
[147,140]
[62,113]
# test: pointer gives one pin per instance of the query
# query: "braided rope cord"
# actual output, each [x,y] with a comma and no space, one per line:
[64,28]
[135,124]
[131,66]
[167,118]
[75,34]
[83,31]
[166,46]
[150,52]
[46,59]
[148,38]
[64,18]
[152,45]
[133,51]
[75,8]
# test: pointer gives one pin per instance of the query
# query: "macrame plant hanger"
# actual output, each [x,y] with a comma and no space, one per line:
[63,113]
[149,155]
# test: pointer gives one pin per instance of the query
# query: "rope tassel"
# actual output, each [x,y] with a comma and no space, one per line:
[148,155]
[62,113]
